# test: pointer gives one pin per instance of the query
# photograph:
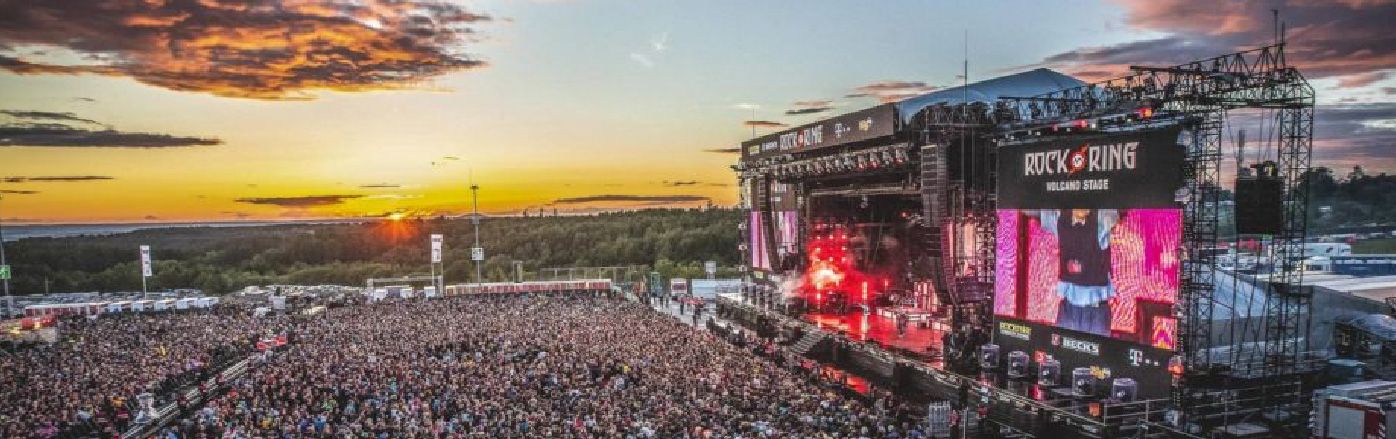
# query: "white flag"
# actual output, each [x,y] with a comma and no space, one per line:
[436,248]
[145,261]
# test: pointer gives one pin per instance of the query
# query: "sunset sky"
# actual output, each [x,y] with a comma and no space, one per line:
[155,110]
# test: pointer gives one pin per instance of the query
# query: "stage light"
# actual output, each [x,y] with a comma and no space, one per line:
[989,356]
[1082,382]
[1017,364]
[1175,366]
[1049,372]
[1124,389]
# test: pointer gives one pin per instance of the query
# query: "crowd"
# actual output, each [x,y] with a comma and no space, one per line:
[86,384]
[525,367]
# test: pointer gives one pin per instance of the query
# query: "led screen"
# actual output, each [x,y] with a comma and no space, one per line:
[760,258]
[1088,235]
[787,232]
[1087,269]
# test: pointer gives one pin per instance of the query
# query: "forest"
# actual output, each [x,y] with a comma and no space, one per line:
[675,242]
[1353,200]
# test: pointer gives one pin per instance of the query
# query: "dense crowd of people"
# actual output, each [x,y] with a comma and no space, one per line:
[479,367]
[523,367]
[86,384]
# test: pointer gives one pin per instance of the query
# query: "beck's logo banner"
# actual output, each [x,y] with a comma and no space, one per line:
[1141,169]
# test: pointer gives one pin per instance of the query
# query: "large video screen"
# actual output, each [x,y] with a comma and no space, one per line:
[787,233]
[760,256]
[1089,235]
[1089,270]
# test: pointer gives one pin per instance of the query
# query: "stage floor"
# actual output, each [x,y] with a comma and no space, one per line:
[923,342]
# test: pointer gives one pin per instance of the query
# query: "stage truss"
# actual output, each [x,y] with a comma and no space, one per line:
[1261,385]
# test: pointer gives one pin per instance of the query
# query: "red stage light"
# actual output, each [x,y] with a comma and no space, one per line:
[831,270]
[1037,393]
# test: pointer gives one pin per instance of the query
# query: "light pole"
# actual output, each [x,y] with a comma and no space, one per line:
[437,282]
[9,301]
[146,270]
[477,253]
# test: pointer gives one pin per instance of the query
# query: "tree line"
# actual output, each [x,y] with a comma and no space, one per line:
[1352,200]
[217,260]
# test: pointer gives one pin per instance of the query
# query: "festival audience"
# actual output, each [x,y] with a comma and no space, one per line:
[525,367]
[86,384]
[477,367]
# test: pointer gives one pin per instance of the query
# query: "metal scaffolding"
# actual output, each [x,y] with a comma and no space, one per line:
[1258,379]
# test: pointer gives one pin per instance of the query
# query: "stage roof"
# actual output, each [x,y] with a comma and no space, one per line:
[1029,83]
[882,120]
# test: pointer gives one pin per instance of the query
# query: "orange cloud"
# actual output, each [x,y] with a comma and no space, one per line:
[764,124]
[810,107]
[247,49]
[891,91]
[300,201]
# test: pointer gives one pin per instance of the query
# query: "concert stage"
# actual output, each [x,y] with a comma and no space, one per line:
[873,354]
[922,340]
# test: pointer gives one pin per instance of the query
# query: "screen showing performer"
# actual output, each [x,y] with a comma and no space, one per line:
[1088,270]
[1089,235]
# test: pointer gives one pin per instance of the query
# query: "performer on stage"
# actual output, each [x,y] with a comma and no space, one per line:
[1084,285]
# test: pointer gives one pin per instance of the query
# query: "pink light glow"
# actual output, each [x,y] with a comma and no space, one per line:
[1144,265]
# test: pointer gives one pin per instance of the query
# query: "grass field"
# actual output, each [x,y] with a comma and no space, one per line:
[1375,246]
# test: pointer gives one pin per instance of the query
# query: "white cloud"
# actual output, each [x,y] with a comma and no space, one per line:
[642,59]
[660,43]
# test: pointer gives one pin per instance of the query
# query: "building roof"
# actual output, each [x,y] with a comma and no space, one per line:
[1380,325]
[1246,294]
[1029,83]
[1371,287]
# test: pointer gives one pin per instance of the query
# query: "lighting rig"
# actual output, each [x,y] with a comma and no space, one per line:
[787,167]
